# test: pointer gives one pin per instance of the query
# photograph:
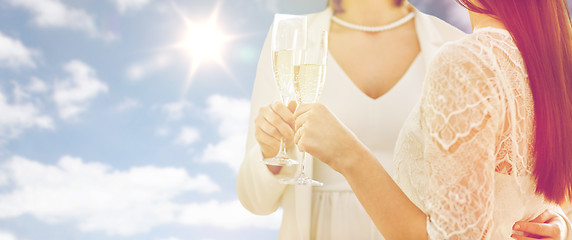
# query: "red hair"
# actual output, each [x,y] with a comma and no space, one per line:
[542,32]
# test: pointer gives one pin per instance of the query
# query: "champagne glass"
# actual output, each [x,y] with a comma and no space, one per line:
[288,43]
[309,81]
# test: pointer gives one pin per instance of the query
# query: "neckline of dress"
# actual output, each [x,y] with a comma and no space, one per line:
[418,15]
[386,94]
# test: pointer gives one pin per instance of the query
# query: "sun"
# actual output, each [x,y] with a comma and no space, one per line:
[204,42]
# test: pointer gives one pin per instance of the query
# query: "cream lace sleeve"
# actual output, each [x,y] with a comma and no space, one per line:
[461,114]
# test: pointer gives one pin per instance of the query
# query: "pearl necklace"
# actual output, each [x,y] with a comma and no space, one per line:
[377,28]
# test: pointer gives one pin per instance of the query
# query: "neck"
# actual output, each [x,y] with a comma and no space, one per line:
[371,12]
[479,20]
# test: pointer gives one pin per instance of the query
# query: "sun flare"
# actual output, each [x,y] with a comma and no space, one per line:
[204,42]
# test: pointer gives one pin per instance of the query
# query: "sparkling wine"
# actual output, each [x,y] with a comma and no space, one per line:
[283,66]
[309,81]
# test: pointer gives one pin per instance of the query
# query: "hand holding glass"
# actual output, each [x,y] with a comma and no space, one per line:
[288,42]
[309,80]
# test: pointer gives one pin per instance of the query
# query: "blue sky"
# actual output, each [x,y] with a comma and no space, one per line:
[100,138]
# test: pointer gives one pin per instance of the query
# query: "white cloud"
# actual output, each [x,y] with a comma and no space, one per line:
[37,85]
[125,5]
[142,69]
[55,14]
[18,94]
[126,104]
[175,110]
[229,150]
[7,236]
[13,54]
[3,179]
[162,131]
[188,136]
[231,114]
[73,94]
[18,116]
[227,215]
[97,197]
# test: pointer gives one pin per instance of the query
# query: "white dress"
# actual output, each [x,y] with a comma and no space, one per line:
[336,212]
[464,154]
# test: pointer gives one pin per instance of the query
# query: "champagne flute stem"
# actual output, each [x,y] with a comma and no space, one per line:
[282,151]
[302,172]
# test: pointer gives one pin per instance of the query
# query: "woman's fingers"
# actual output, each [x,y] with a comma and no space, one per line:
[269,144]
[519,237]
[265,138]
[303,108]
[283,111]
[298,138]
[302,117]
[539,229]
[273,124]
[281,129]
[300,120]
[292,106]
[309,126]
[287,119]
[547,224]
[544,217]
[264,126]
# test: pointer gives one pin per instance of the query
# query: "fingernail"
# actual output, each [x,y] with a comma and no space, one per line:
[516,227]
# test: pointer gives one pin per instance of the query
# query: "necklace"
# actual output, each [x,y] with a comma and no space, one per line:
[382,28]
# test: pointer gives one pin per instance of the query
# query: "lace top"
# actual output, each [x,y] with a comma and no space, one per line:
[464,154]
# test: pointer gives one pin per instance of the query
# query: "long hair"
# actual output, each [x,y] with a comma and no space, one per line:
[542,32]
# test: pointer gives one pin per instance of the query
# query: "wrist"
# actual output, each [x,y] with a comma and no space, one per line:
[353,158]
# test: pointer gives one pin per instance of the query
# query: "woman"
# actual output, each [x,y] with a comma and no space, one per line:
[333,212]
[405,50]
[488,144]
